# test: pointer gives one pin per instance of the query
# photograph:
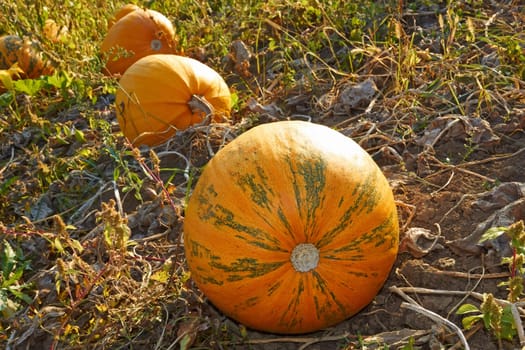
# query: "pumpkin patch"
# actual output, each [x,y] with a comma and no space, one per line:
[291,228]
[160,94]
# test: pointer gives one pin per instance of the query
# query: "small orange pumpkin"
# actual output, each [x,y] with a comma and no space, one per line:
[124,10]
[291,228]
[137,34]
[162,93]
[27,54]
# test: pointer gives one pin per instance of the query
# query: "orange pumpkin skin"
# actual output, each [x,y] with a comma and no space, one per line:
[137,34]
[153,98]
[277,188]
[27,54]
[124,10]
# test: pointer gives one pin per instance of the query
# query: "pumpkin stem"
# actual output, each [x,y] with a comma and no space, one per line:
[199,104]
[155,44]
[305,257]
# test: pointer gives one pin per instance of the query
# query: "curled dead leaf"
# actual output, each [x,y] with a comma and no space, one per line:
[419,241]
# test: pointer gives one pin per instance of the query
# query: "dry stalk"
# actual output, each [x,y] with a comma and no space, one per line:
[513,306]
[411,209]
[153,173]
[118,200]
[414,306]
[476,295]
[433,193]
[9,161]
[186,161]
[468,335]
[81,211]
[439,319]
[468,275]
[305,341]
[444,131]
[459,167]
[455,206]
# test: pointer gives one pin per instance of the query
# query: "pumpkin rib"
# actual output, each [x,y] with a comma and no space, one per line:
[273,188]
[244,213]
[374,238]
[224,218]
[364,196]
[263,304]
[146,113]
[233,268]
[296,288]
[371,276]
[253,205]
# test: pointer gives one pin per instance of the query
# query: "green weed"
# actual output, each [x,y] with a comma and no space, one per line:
[13,291]
[497,316]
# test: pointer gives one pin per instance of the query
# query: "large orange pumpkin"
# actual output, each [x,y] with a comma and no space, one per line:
[137,34]
[27,54]
[160,94]
[291,228]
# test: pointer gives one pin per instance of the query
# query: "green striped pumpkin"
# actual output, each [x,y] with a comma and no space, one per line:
[26,53]
[291,228]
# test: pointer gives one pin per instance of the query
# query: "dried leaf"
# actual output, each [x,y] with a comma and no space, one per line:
[419,242]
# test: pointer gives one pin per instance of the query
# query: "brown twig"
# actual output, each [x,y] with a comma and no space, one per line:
[467,195]
[468,335]
[513,306]
[411,304]
[469,275]
[306,341]
[476,295]
[411,209]
[439,319]
[460,167]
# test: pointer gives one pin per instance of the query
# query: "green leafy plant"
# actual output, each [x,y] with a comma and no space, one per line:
[497,315]
[12,289]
